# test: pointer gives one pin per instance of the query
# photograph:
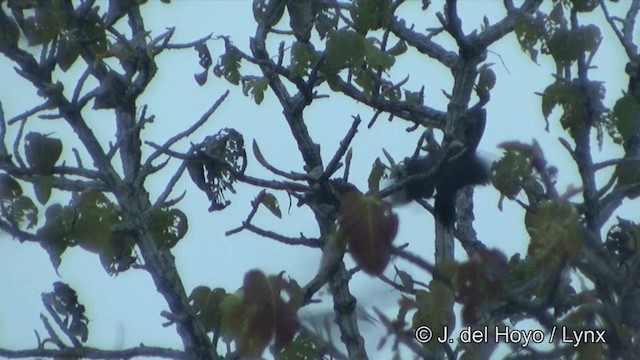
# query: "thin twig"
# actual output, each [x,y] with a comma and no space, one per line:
[288,175]
[53,336]
[271,184]
[185,133]
[63,327]
[332,167]
[3,132]
[44,106]
[169,188]
[81,81]
[423,264]
[613,162]
[313,243]
[16,145]
[162,47]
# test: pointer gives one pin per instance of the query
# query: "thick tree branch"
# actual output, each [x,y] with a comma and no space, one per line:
[422,43]
[293,106]
[93,353]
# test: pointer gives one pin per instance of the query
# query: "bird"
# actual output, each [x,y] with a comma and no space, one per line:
[459,169]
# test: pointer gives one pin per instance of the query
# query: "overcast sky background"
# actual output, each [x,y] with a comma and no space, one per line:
[124,310]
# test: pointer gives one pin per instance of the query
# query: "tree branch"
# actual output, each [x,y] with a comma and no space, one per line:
[93,353]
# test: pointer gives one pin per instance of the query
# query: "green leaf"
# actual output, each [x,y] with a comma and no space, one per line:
[16,207]
[168,226]
[68,51]
[441,311]
[42,152]
[590,37]
[232,309]
[572,100]
[260,8]
[9,32]
[256,86]
[326,22]
[258,154]
[333,82]
[94,33]
[377,171]
[94,220]
[529,32]
[301,18]
[564,46]
[584,5]
[271,203]
[206,303]
[554,229]
[366,82]
[9,187]
[626,115]
[301,348]
[556,16]
[377,58]
[228,65]
[510,172]
[345,48]
[487,79]
[405,279]
[302,57]
[24,210]
[45,24]
[370,14]
[117,257]
[55,235]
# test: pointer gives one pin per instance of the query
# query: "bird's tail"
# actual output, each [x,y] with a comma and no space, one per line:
[445,209]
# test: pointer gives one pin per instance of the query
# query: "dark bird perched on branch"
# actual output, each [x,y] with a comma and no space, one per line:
[457,167]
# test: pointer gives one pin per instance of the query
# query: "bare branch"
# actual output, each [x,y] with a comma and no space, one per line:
[167,36]
[313,243]
[3,133]
[17,233]
[83,78]
[61,324]
[288,175]
[184,134]
[16,145]
[505,26]
[93,353]
[169,188]
[53,336]
[44,106]
[422,43]
[613,162]
[626,35]
[419,115]
[332,167]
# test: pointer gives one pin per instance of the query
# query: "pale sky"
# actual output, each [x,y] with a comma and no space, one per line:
[124,310]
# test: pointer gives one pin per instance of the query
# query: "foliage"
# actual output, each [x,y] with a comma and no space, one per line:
[353,49]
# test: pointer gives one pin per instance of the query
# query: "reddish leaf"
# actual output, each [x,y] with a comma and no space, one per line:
[286,324]
[259,302]
[370,227]
[480,280]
